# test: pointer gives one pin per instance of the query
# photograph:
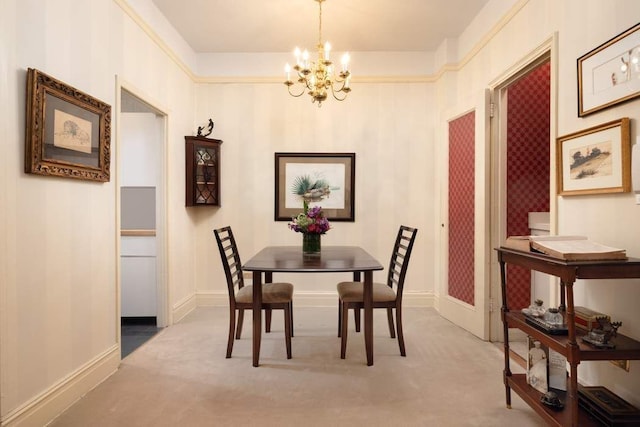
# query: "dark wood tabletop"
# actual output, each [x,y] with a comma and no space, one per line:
[331,259]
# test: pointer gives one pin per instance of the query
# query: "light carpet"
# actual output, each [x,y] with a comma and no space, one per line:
[181,377]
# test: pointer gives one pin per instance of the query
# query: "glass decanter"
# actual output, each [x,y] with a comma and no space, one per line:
[553,317]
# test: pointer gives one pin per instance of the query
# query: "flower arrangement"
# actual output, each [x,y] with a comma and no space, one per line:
[311,221]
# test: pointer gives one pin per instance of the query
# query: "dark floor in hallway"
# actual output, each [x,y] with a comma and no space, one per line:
[135,331]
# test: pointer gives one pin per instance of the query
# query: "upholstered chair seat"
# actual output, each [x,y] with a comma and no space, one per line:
[353,292]
[272,293]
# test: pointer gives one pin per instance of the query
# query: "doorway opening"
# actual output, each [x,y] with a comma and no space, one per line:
[522,133]
[141,212]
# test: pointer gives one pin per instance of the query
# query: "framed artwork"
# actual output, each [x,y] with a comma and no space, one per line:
[595,160]
[622,364]
[68,132]
[323,179]
[610,73]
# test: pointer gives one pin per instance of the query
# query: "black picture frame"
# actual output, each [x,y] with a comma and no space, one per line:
[329,179]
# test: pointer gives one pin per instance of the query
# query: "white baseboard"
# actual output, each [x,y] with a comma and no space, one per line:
[49,404]
[212,299]
[183,307]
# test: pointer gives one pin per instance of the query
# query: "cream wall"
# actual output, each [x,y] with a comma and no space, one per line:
[389,127]
[58,266]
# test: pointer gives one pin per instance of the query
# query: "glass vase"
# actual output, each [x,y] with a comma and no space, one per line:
[311,244]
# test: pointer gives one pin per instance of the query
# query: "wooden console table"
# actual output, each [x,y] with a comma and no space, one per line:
[569,345]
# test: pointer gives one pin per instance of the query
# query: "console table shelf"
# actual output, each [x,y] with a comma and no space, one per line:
[518,383]
[626,348]
[571,345]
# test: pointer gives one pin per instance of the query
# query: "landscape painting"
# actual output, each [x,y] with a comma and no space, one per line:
[591,161]
[595,160]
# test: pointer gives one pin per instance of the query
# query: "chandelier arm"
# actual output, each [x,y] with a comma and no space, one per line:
[343,87]
[293,94]
[335,92]
[339,99]
[307,83]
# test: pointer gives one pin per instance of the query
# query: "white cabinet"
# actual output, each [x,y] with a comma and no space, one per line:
[138,276]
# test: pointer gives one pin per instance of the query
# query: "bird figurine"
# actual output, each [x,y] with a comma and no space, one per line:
[209,128]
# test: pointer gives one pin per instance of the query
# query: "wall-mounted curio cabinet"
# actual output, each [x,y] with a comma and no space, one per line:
[203,171]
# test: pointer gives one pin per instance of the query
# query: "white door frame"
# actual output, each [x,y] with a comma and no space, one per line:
[164,317]
[474,318]
[547,51]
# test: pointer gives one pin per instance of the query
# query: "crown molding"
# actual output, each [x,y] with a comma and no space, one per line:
[427,78]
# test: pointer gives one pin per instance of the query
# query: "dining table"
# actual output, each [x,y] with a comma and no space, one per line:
[331,259]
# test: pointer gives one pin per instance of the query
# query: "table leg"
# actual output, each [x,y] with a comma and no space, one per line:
[257,315]
[563,305]
[506,374]
[368,315]
[573,356]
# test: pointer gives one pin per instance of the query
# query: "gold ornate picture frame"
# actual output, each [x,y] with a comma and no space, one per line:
[595,160]
[68,132]
[610,73]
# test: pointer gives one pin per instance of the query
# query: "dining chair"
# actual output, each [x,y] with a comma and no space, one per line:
[385,295]
[274,295]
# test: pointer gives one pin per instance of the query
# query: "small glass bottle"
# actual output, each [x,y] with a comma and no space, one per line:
[553,317]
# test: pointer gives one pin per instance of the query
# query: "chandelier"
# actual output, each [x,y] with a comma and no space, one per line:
[318,78]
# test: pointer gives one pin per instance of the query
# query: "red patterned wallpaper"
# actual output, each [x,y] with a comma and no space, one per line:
[527,166]
[461,207]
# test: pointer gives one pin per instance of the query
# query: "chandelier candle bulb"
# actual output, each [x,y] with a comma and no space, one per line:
[287,70]
[327,49]
[345,62]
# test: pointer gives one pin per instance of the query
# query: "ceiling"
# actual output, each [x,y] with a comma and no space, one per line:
[223,26]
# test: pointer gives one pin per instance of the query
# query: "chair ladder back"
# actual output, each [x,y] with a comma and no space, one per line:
[230,259]
[400,258]
[395,270]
